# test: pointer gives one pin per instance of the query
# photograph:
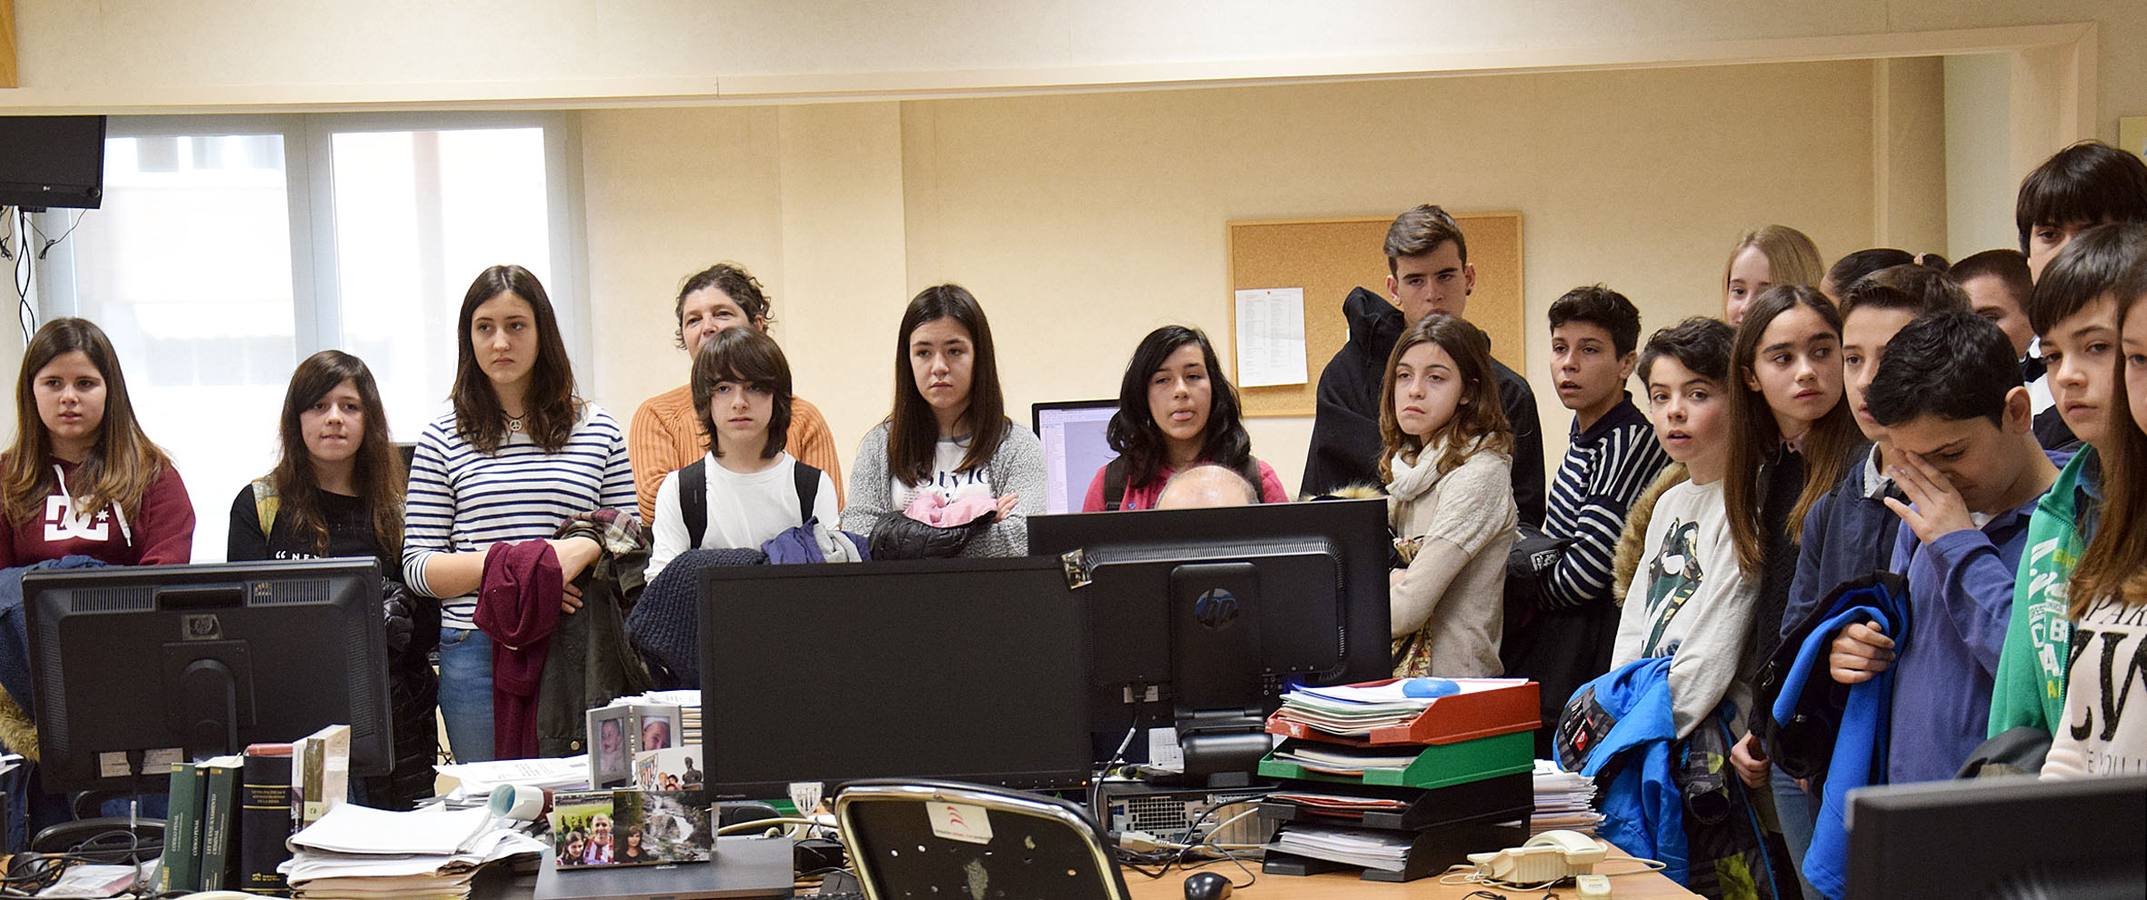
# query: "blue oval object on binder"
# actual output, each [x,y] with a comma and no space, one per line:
[1432,688]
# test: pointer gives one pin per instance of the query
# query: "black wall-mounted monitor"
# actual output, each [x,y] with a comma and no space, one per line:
[52,161]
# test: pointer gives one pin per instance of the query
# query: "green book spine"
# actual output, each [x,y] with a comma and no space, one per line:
[182,851]
[219,823]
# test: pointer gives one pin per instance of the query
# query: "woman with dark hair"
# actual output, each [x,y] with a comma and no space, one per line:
[520,454]
[948,441]
[82,478]
[337,491]
[1447,457]
[1176,410]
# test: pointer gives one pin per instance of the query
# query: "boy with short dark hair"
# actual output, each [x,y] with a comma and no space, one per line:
[2074,311]
[2087,184]
[1611,458]
[1957,425]
[1428,271]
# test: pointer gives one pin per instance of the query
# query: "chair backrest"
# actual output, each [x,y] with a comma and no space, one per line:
[908,838]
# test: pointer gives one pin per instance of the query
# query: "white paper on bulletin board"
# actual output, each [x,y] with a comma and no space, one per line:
[1271,336]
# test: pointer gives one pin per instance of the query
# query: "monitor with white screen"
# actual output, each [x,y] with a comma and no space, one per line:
[1075,448]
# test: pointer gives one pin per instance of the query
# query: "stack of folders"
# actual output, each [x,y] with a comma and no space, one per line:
[1564,800]
[432,853]
[1399,778]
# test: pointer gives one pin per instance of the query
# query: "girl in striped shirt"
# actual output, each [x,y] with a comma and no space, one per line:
[518,456]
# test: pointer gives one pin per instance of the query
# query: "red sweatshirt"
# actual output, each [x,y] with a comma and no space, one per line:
[161,532]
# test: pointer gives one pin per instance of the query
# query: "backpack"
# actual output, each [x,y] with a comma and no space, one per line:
[693,497]
[1114,481]
[265,504]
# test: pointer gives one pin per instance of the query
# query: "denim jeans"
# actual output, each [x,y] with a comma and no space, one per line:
[1798,812]
[466,692]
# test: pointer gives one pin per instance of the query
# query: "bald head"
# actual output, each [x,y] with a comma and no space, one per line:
[1205,486]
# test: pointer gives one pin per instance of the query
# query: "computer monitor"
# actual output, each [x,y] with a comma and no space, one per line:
[52,161]
[1201,617]
[1075,448]
[137,667]
[1999,837]
[968,670]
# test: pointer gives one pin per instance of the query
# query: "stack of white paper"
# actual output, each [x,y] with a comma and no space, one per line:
[1334,759]
[1357,711]
[1563,800]
[1361,847]
[434,852]
[475,781]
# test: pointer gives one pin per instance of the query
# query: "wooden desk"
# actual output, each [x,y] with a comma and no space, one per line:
[1645,886]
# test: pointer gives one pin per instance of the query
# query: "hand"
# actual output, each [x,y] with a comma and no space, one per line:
[1750,759]
[1007,504]
[1938,510]
[1860,652]
[576,555]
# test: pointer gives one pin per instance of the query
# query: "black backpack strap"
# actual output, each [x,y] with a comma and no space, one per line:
[808,479]
[1114,485]
[693,501]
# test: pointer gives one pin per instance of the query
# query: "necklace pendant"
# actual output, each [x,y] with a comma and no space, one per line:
[514,425]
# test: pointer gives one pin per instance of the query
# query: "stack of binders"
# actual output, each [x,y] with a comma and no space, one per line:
[1400,778]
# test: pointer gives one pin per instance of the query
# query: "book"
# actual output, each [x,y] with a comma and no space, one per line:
[320,773]
[182,830]
[219,821]
[264,818]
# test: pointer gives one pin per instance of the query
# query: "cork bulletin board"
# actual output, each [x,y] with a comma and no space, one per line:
[1328,257]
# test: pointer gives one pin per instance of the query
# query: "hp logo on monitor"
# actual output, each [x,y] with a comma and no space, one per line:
[1215,608]
[203,627]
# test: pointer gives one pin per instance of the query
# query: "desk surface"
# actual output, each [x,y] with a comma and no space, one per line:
[1644,886]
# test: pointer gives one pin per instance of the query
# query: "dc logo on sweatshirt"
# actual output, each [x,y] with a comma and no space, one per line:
[61,522]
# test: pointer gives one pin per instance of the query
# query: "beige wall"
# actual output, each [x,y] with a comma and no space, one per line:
[1084,221]
[143,54]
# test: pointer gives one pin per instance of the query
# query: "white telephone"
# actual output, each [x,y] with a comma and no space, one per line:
[1548,857]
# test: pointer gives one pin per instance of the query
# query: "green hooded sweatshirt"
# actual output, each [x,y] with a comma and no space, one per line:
[2030,681]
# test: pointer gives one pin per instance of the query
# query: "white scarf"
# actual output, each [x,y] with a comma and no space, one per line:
[1413,481]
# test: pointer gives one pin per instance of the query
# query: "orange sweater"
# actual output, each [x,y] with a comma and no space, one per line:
[665,436]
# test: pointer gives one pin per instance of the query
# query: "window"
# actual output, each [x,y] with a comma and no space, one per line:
[228,250]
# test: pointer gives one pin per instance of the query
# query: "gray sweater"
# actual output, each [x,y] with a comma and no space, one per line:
[1018,468]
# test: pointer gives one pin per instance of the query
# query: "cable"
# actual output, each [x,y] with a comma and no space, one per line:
[53,242]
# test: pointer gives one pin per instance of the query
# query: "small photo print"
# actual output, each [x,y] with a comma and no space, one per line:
[585,829]
[676,769]
[659,727]
[673,827]
[610,747]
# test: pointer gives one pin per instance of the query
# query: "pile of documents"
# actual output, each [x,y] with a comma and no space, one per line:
[360,853]
[1563,800]
[1337,759]
[1345,805]
[1365,847]
[474,781]
[1350,711]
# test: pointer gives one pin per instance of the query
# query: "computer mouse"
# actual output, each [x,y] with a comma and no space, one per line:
[1206,886]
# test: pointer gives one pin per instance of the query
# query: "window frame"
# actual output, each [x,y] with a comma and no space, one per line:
[309,183]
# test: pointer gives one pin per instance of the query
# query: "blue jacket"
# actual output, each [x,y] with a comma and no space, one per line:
[1847,535]
[1643,809]
[1863,733]
[14,629]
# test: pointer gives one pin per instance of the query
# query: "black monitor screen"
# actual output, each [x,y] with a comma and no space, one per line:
[970,670]
[48,161]
[139,666]
[1304,587]
[2005,837]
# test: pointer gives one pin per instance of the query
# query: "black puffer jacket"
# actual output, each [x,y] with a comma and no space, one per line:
[413,632]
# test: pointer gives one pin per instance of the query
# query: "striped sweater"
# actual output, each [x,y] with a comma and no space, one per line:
[461,500]
[1605,469]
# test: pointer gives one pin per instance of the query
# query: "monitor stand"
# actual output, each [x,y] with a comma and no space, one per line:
[1222,748]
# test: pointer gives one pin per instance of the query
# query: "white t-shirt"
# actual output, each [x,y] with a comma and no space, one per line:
[946,459]
[744,511]
[2105,728]
[1689,600]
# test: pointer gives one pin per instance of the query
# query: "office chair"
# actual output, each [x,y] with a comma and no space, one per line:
[910,838]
